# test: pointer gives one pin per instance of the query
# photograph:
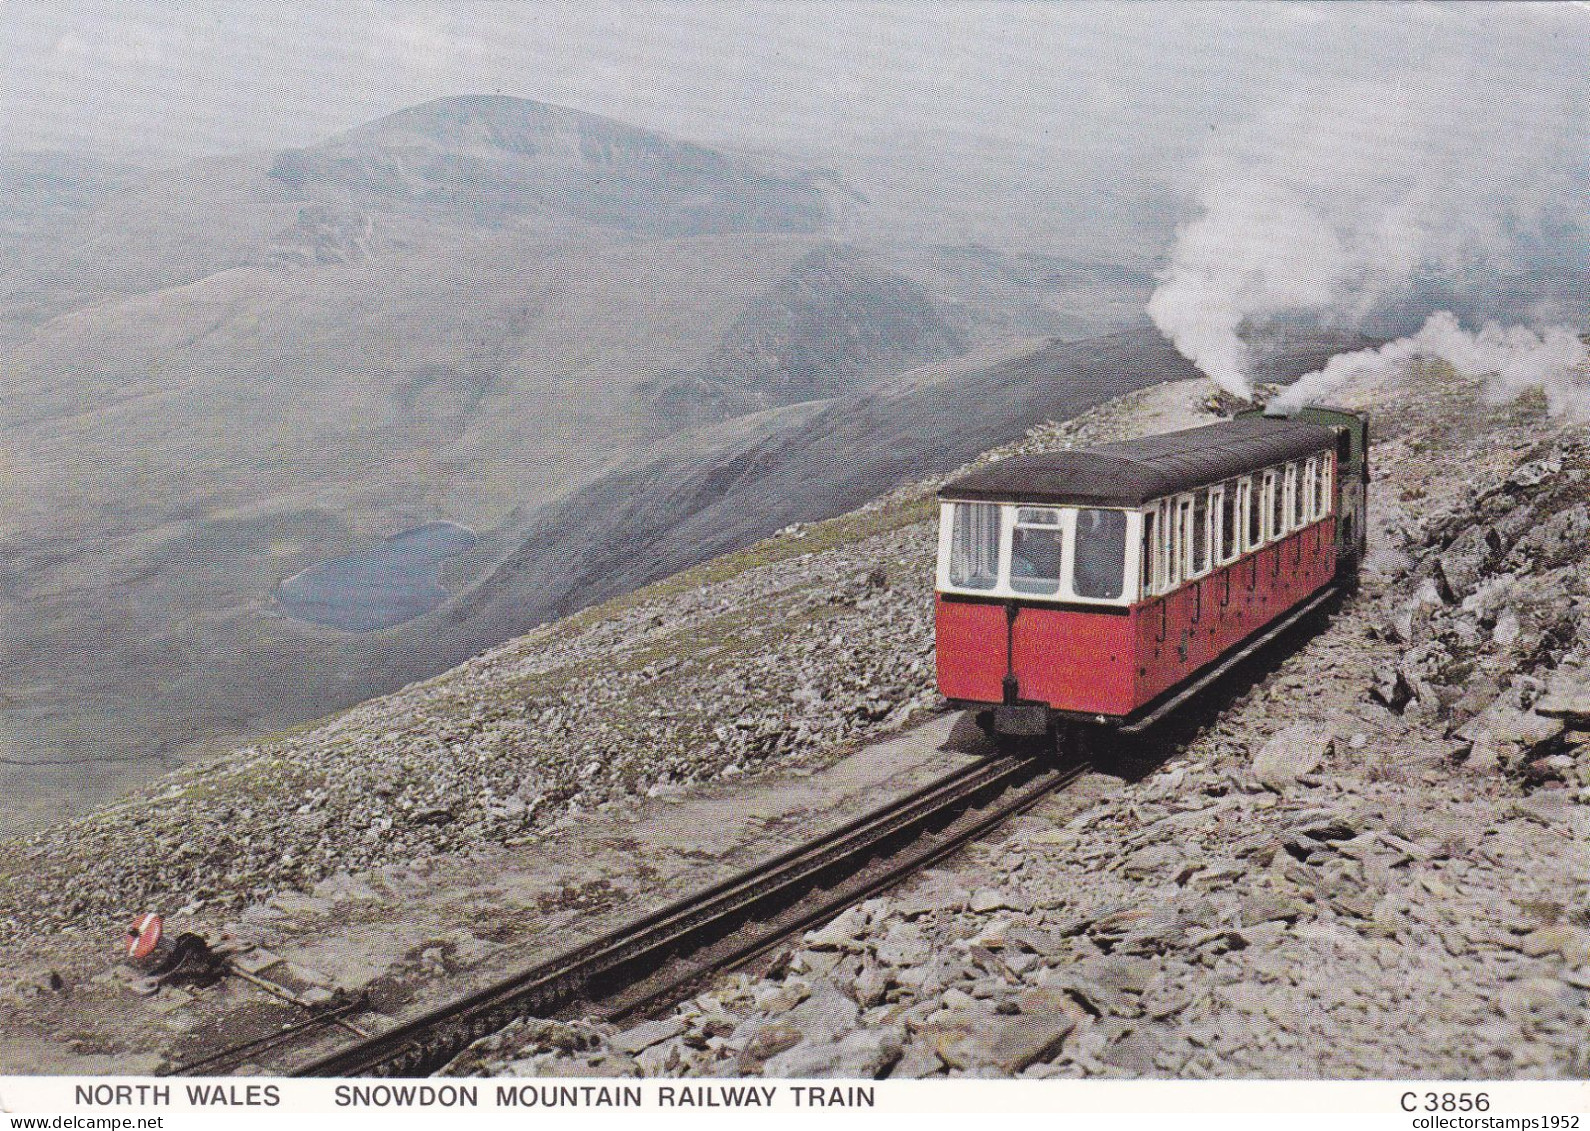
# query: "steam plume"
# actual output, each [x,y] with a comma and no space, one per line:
[1369,208]
[1515,359]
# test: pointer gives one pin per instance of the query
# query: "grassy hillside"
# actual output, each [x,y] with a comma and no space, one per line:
[166,633]
[787,651]
[482,310]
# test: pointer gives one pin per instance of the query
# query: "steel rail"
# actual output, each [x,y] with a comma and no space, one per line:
[739,949]
[727,923]
[233,1054]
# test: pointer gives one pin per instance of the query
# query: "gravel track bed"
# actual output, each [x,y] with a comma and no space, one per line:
[1372,863]
[793,652]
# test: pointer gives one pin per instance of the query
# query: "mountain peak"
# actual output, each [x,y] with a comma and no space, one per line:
[492,119]
[500,155]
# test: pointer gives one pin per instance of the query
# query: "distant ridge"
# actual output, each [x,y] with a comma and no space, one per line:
[222,374]
[495,154]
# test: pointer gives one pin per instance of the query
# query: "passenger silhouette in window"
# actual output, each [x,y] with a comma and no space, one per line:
[1099,572]
[1035,549]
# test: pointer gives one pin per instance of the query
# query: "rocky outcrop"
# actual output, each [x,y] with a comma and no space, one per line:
[1500,608]
[1368,865]
[1567,696]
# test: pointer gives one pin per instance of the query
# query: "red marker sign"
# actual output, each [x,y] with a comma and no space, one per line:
[143,936]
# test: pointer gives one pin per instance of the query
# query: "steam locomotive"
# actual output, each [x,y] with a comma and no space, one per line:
[1106,586]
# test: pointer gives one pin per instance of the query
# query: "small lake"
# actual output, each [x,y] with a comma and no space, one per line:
[394,581]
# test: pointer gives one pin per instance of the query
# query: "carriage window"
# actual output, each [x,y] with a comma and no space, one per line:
[1100,569]
[1323,494]
[1294,491]
[1148,557]
[1229,534]
[1200,534]
[1277,509]
[974,546]
[1255,515]
[1217,504]
[1163,579]
[1167,546]
[1035,551]
[1178,544]
[1305,491]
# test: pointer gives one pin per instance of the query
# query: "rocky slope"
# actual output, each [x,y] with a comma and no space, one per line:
[1370,863]
[1359,863]
[793,650]
[220,375]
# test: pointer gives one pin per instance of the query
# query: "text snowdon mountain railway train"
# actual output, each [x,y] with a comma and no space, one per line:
[1104,586]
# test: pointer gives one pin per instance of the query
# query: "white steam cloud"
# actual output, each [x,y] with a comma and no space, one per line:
[1515,359]
[1372,206]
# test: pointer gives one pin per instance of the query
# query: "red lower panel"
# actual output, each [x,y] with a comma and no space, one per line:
[971,650]
[1076,661]
[1182,633]
[1098,663]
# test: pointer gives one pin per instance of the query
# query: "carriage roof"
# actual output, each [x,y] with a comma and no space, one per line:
[1130,473]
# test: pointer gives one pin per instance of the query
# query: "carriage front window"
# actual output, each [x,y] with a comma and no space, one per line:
[1100,569]
[974,546]
[1035,551]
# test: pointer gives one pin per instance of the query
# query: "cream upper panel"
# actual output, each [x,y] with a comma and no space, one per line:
[1110,556]
[1075,555]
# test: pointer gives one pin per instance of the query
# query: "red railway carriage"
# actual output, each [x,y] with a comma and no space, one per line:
[1107,585]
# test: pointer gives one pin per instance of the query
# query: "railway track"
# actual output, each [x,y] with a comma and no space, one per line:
[652,961]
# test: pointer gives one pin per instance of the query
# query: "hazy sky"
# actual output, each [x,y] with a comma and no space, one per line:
[1092,82]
